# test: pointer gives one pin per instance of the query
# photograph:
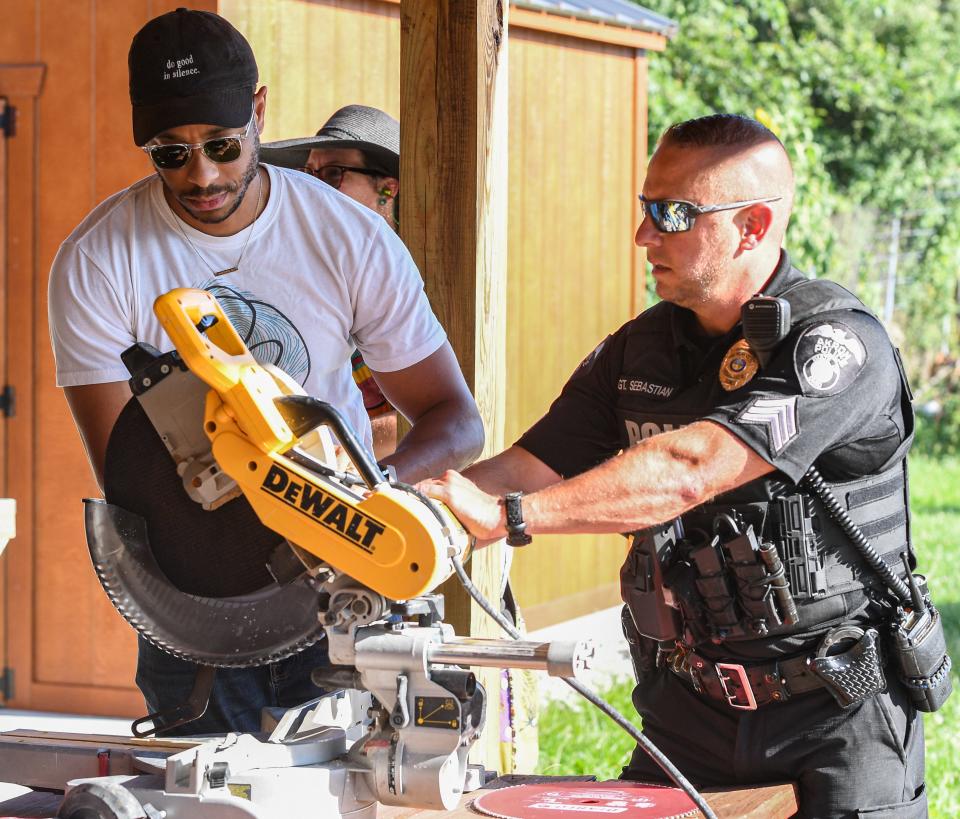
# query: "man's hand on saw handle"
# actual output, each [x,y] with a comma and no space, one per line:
[481,514]
[476,496]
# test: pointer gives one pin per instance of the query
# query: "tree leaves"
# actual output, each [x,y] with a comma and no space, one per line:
[865,95]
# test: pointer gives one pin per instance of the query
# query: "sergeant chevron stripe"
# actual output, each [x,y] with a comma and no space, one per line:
[778,415]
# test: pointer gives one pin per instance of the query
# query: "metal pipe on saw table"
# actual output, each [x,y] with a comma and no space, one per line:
[562,658]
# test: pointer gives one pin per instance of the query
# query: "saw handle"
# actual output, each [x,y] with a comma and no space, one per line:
[304,414]
[204,336]
[194,708]
[215,353]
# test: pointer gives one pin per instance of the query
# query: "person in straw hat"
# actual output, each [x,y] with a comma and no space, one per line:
[356,151]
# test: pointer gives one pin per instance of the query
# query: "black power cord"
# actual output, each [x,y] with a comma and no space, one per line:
[652,750]
[814,481]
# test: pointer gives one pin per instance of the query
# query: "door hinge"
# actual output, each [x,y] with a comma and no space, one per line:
[8,121]
[6,683]
[8,401]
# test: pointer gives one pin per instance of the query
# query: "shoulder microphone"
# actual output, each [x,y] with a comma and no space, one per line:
[766,322]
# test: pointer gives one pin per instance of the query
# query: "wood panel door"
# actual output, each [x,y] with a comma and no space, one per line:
[68,648]
[4,346]
[53,608]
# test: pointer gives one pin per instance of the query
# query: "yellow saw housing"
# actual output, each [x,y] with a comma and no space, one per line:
[386,539]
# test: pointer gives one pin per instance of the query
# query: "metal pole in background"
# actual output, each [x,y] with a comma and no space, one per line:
[893,257]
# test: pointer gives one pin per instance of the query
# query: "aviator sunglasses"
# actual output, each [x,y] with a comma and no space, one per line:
[678,216]
[221,150]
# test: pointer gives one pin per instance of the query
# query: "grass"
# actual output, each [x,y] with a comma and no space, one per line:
[578,739]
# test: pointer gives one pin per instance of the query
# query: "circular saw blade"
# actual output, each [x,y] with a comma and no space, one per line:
[628,800]
[193,582]
[218,553]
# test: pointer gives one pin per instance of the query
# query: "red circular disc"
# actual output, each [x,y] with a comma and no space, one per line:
[625,800]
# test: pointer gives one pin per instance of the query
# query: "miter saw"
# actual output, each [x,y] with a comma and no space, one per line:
[230,537]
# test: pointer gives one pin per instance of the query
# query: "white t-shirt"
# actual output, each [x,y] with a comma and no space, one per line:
[319,276]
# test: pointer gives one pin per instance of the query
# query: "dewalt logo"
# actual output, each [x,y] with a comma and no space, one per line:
[312,501]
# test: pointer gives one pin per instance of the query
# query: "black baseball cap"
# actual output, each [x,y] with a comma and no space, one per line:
[186,68]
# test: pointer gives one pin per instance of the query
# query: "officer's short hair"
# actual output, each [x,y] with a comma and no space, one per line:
[719,130]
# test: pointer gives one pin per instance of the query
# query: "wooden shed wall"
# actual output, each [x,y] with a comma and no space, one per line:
[577,144]
[572,277]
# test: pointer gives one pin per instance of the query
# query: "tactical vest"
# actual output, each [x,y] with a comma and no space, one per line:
[713,575]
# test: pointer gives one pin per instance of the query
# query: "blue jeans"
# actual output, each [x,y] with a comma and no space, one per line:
[238,693]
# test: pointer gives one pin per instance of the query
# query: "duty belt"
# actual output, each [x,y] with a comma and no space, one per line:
[747,687]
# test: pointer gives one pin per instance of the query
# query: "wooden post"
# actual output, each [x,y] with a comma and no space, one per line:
[453,208]
[453,211]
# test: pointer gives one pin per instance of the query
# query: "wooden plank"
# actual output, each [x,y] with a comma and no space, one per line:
[587,29]
[596,31]
[452,208]
[31,805]
[4,353]
[577,604]
[29,736]
[18,34]
[761,802]
[20,276]
[570,268]
[453,88]
[64,604]
[40,759]
[316,70]
[638,295]
[113,27]
[119,699]
[20,85]
[157,7]
[23,80]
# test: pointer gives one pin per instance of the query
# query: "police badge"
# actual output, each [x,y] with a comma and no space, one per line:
[827,358]
[738,367]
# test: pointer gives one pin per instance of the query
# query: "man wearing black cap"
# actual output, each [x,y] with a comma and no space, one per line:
[303,273]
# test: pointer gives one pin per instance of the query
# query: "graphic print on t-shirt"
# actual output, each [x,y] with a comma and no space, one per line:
[268,333]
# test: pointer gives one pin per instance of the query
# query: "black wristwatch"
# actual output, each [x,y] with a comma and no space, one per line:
[516,528]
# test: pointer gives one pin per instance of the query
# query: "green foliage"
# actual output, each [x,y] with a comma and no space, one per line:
[865,95]
[577,739]
[939,435]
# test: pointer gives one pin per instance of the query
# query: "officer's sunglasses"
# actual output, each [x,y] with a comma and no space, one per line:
[170,156]
[333,174]
[678,216]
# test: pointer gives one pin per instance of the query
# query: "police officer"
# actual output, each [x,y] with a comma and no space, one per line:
[754,621]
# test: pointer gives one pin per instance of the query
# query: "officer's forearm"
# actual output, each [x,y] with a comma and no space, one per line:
[647,484]
[512,470]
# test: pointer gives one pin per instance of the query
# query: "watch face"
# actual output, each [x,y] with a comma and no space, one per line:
[513,508]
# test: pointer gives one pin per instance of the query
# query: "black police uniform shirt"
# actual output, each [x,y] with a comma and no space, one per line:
[831,393]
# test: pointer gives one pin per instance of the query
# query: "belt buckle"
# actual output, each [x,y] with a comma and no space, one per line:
[736,674]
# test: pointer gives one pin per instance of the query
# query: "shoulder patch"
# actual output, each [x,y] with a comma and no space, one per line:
[827,358]
[778,415]
[587,364]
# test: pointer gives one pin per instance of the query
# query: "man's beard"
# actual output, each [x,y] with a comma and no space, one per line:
[240,188]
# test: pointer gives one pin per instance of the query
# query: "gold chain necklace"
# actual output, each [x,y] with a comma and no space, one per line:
[246,241]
